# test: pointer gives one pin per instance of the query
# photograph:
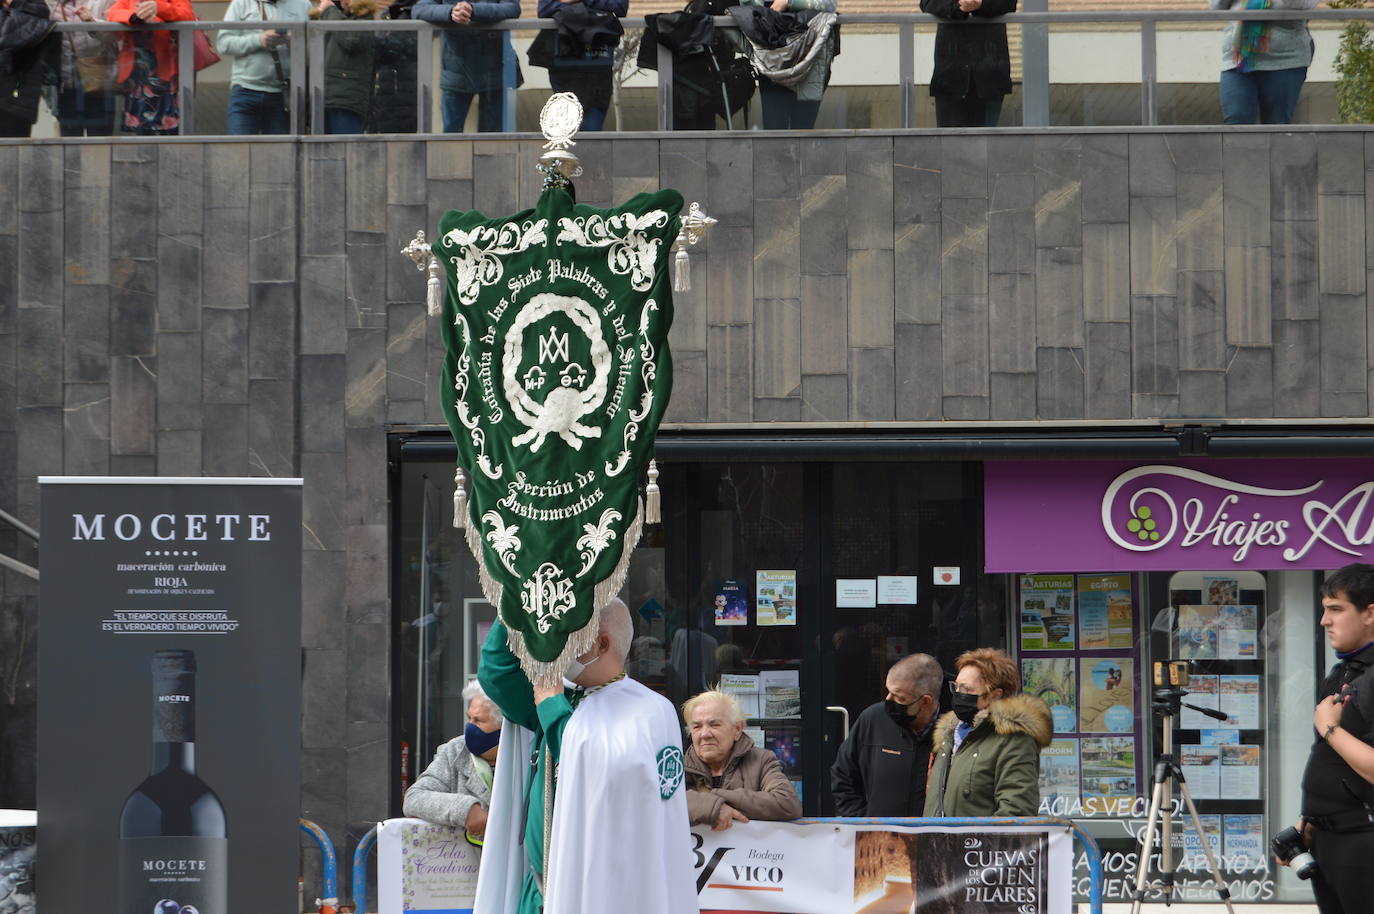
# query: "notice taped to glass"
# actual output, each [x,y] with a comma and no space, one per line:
[170,669]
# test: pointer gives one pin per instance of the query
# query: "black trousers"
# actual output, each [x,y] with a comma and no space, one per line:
[1342,882]
[969,111]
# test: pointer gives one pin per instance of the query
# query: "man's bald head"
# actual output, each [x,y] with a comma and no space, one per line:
[616,624]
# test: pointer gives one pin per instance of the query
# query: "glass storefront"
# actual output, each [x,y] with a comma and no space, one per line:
[796,585]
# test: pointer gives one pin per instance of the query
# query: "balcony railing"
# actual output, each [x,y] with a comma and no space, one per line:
[875,85]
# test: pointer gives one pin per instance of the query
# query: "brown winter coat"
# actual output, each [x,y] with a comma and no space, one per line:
[752,782]
[996,771]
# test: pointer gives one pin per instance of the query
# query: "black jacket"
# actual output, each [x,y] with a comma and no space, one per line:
[970,60]
[25,52]
[881,767]
[1329,785]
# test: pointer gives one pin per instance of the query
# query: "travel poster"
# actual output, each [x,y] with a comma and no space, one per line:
[745,689]
[1047,616]
[1201,770]
[1106,702]
[781,693]
[1240,772]
[1237,634]
[1104,611]
[775,597]
[1052,680]
[1197,633]
[1108,764]
[732,604]
[1059,771]
[1243,843]
[1240,701]
[1202,691]
[1193,856]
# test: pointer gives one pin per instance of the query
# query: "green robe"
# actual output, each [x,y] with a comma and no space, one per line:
[505,683]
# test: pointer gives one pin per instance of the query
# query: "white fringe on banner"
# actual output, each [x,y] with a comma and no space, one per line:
[549,674]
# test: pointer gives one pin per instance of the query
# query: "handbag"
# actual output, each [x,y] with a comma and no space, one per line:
[205,55]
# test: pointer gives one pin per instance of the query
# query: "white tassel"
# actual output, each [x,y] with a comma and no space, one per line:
[435,297]
[682,274]
[652,511]
[460,499]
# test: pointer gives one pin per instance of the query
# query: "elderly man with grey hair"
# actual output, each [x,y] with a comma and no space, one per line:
[600,823]
[456,787]
[729,779]
[881,767]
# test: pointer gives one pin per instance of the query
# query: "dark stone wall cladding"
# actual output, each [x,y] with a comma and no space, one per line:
[242,309]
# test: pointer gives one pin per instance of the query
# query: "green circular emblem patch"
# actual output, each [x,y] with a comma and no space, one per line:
[670,771]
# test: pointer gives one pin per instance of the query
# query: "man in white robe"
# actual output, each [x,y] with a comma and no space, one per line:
[619,839]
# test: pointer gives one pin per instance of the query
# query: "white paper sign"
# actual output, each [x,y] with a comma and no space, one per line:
[423,867]
[896,589]
[856,593]
[946,575]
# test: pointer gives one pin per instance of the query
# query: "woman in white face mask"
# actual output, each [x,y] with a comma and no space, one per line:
[987,750]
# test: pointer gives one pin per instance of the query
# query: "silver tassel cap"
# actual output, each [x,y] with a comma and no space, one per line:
[460,499]
[653,513]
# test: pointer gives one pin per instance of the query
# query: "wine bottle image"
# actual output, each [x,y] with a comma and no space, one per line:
[173,838]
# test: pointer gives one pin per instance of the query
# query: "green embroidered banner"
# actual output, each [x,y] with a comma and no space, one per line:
[556,324]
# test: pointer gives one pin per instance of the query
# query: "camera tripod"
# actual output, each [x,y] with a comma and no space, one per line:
[1168,774]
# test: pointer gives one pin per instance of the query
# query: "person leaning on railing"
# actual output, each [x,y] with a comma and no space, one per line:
[987,750]
[472,63]
[728,778]
[972,65]
[262,65]
[793,71]
[1263,64]
[25,59]
[148,65]
[349,59]
[85,95]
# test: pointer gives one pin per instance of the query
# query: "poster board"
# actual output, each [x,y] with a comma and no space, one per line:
[171,618]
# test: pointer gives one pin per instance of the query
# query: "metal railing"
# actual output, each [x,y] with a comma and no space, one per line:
[307,45]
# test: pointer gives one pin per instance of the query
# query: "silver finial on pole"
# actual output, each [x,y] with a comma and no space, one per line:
[418,251]
[560,120]
[694,227]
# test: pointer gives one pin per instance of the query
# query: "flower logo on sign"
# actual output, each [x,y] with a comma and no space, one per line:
[1143,525]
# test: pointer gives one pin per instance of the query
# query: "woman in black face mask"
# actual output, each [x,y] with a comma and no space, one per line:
[987,760]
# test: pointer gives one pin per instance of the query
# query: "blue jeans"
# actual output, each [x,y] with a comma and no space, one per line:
[252,112]
[341,120]
[490,110]
[1263,96]
[782,110]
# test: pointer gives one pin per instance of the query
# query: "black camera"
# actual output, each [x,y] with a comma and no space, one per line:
[1287,846]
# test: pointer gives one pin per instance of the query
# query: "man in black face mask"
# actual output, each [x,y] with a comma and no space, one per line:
[881,767]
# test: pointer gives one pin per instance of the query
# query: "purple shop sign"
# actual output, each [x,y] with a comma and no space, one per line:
[1189,515]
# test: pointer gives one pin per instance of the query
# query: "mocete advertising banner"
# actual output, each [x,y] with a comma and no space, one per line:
[170,670]
[1189,515]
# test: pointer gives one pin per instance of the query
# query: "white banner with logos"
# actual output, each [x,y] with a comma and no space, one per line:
[837,868]
[789,867]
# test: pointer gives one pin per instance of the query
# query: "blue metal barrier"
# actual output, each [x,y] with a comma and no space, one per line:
[1085,840]
[359,886]
[331,862]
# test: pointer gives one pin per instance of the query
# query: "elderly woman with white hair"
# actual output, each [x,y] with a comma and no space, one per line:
[729,778]
[456,787]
